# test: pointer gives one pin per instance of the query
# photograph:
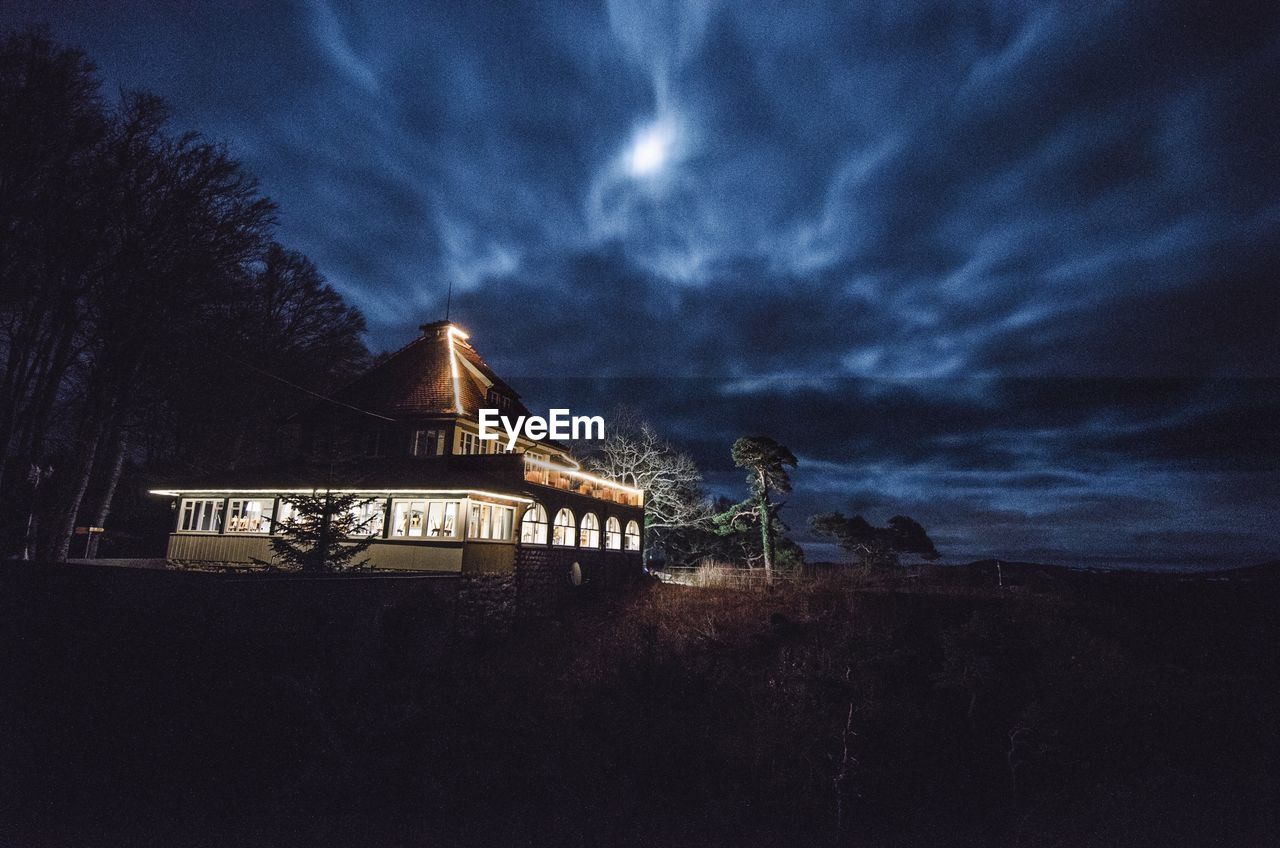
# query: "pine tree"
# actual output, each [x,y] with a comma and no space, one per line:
[324,533]
[765,462]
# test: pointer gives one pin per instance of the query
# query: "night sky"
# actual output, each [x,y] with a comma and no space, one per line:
[1009,269]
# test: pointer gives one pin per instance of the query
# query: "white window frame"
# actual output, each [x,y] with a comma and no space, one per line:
[467,442]
[589,531]
[489,522]
[564,532]
[283,512]
[361,514]
[195,507]
[429,510]
[534,526]
[631,538]
[235,509]
[612,534]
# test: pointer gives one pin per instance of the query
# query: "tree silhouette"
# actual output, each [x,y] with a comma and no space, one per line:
[765,462]
[875,545]
[323,533]
[142,299]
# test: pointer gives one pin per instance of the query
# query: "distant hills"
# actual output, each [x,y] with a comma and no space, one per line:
[1018,572]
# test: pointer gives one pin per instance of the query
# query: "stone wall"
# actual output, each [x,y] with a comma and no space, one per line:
[541,580]
[486,604]
[544,575]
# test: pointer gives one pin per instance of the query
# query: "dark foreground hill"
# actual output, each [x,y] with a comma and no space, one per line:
[912,708]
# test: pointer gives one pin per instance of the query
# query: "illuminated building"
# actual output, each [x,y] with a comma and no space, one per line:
[404,434]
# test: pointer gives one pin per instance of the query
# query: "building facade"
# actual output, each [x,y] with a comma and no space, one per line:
[405,438]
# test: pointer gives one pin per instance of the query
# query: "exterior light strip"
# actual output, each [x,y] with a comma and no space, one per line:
[542,463]
[424,491]
[453,367]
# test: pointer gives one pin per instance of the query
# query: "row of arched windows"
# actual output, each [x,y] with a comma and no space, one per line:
[567,533]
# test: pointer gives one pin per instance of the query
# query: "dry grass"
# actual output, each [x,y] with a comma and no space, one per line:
[872,708]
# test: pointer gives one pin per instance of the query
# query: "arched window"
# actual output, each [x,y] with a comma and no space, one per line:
[533,527]
[633,536]
[613,534]
[590,535]
[563,532]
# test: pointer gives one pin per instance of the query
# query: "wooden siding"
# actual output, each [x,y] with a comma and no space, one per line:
[399,556]
[416,556]
[489,557]
[212,547]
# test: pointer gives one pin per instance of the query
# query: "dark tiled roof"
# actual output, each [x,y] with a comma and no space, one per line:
[417,380]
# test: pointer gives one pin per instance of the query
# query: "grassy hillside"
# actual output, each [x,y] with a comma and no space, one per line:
[868,709]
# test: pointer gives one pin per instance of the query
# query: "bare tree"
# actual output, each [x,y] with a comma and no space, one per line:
[52,132]
[634,453]
[146,315]
[184,224]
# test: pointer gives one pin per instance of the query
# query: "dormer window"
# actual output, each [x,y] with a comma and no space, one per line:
[497,400]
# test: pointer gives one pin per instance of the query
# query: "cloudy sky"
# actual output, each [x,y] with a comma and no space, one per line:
[1008,268]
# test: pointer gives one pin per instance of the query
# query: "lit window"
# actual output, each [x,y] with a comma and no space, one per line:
[424,518]
[367,518]
[201,516]
[633,536]
[589,537]
[491,521]
[532,472]
[613,534]
[565,529]
[250,516]
[533,527]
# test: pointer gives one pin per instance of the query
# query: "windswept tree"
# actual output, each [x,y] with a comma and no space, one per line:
[766,463]
[676,506]
[741,540]
[323,533]
[873,545]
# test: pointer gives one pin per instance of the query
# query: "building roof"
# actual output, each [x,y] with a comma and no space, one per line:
[418,379]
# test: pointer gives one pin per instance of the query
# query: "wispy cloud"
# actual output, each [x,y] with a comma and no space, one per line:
[332,38]
[902,212]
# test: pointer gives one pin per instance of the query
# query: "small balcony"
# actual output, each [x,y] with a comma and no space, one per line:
[543,473]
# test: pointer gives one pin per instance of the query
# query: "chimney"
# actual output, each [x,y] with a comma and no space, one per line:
[435,330]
